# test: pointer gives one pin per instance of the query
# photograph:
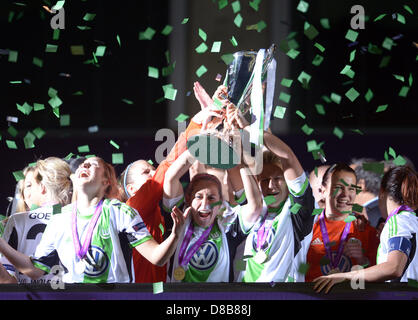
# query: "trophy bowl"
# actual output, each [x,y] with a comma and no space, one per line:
[216,146]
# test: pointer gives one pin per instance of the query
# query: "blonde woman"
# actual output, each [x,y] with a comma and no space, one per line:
[89,236]
[46,187]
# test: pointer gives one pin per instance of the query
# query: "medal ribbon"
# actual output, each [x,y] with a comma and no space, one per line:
[82,250]
[396,211]
[325,237]
[263,232]
[185,257]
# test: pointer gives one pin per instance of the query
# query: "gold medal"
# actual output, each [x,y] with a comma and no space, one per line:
[179,273]
[260,257]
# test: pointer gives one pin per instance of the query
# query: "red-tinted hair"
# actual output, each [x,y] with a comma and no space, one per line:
[196,179]
[401,184]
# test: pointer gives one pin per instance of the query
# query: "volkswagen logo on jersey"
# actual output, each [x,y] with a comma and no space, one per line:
[99,265]
[267,242]
[205,257]
[344,265]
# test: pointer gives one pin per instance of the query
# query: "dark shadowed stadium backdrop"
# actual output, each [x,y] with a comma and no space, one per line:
[120,71]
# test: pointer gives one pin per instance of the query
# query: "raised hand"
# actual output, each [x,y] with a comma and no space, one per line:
[179,220]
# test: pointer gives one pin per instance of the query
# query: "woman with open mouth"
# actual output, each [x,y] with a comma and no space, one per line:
[397,258]
[87,240]
[338,243]
[214,229]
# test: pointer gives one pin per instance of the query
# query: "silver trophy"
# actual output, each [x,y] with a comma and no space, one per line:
[216,146]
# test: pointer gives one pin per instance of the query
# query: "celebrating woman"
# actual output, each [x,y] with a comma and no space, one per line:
[396,257]
[46,187]
[90,236]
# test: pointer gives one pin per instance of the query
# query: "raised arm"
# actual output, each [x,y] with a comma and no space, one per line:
[172,184]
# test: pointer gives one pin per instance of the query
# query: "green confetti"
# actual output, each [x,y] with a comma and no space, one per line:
[201,71]
[286,82]
[351,35]
[352,55]
[336,98]
[201,48]
[18,175]
[317,211]
[238,20]
[338,132]
[38,106]
[285,97]
[170,93]
[357,208]
[167,30]
[236,6]
[399,161]
[234,41]
[89,16]
[153,72]
[261,25]
[319,47]
[350,218]
[77,50]
[381,108]
[25,108]
[408,8]
[399,77]
[404,91]
[83,149]
[388,43]
[185,20]
[12,131]
[51,48]
[38,62]
[369,95]
[304,79]
[11,144]
[300,114]
[227,58]
[380,17]
[158,287]
[64,120]
[307,130]
[400,18]
[118,40]
[310,31]
[59,5]
[55,102]
[293,53]
[320,109]
[100,51]
[117,158]
[113,143]
[38,132]
[269,200]
[348,71]
[352,94]
[148,34]
[240,265]
[202,34]
[303,6]
[28,140]
[317,60]
[303,268]
[13,56]
[182,117]
[377,167]
[216,46]
[325,23]
[127,101]
[279,112]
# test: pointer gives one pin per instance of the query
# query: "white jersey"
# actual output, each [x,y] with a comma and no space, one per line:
[23,232]
[404,224]
[212,260]
[118,230]
[284,238]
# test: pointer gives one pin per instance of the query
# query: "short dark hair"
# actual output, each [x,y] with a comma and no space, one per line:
[401,184]
[336,167]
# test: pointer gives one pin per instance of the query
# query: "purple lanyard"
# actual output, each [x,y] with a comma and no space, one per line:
[262,232]
[395,211]
[81,251]
[184,259]
[325,237]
